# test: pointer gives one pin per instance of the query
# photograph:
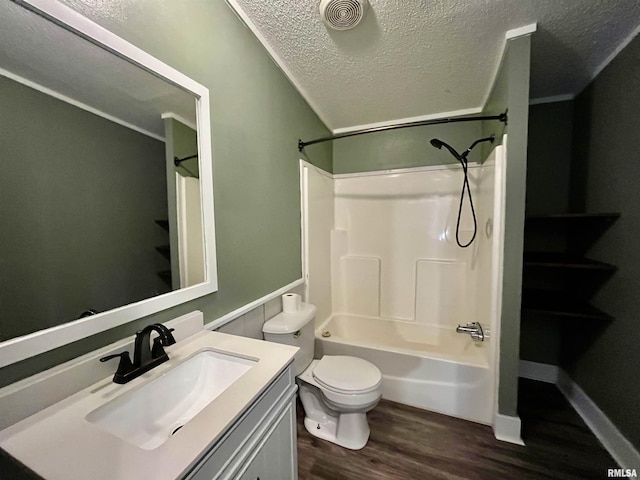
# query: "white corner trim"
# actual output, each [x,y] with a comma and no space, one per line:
[614,54]
[622,451]
[542,372]
[521,31]
[219,322]
[180,119]
[318,170]
[402,121]
[303,171]
[507,429]
[280,63]
[77,104]
[553,99]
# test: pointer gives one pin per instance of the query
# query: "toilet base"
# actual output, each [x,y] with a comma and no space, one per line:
[349,430]
[337,418]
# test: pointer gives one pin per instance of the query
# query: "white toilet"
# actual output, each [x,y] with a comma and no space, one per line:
[336,391]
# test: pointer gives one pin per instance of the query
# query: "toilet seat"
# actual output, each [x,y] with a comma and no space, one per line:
[346,375]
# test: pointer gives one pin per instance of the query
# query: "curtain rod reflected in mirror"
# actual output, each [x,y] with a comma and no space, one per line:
[177,161]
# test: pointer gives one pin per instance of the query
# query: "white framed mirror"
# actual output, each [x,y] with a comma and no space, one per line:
[90,260]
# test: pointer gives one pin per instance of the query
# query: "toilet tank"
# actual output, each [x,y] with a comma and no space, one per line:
[295,329]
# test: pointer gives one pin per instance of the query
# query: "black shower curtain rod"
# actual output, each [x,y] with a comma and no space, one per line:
[502,117]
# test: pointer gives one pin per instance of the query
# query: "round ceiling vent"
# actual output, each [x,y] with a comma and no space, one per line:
[342,14]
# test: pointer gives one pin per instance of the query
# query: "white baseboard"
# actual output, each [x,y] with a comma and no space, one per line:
[539,371]
[622,451]
[507,429]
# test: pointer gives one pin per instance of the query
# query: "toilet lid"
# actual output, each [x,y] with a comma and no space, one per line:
[344,373]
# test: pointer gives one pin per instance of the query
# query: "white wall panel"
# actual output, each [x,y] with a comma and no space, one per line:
[360,293]
[441,293]
[402,218]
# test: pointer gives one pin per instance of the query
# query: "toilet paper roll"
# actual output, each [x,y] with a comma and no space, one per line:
[290,302]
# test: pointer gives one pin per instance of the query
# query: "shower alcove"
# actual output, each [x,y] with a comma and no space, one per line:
[391,284]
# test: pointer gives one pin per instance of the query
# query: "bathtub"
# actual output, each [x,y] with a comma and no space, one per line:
[432,368]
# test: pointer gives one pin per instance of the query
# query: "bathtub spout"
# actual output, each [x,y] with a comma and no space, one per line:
[474,329]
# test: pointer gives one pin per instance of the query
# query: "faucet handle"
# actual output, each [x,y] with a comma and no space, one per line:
[167,337]
[120,355]
[124,367]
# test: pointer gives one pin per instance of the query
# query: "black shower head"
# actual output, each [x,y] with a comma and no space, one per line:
[437,143]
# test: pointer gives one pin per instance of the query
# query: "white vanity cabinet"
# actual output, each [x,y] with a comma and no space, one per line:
[126,432]
[275,456]
[261,444]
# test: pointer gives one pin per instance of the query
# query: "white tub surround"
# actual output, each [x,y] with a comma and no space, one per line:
[398,284]
[403,337]
[394,254]
[60,442]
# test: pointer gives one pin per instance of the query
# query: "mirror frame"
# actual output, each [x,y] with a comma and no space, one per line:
[20,348]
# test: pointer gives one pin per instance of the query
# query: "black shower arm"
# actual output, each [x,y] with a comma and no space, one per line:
[468,151]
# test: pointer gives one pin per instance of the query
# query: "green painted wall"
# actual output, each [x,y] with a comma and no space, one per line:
[77,232]
[604,359]
[257,118]
[511,91]
[404,148]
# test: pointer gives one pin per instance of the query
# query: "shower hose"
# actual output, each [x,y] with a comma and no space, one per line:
[465,186]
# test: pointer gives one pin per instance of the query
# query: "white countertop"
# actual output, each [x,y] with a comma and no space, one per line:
[59,443]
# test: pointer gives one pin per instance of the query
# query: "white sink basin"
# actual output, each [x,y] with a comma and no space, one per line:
[149,415]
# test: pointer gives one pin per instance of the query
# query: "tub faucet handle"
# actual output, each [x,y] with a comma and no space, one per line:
[474,329]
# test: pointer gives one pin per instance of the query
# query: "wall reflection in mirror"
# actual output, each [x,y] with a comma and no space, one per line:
[95,211]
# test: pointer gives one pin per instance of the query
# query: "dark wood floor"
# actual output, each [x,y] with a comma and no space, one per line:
[408,443]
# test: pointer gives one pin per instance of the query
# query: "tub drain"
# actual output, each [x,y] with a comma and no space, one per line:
[326,333]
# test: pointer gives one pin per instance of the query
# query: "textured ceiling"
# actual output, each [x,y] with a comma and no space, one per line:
[425,57]
[38,51]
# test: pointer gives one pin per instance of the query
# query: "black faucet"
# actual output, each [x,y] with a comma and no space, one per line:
[166,339]
[145,357]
